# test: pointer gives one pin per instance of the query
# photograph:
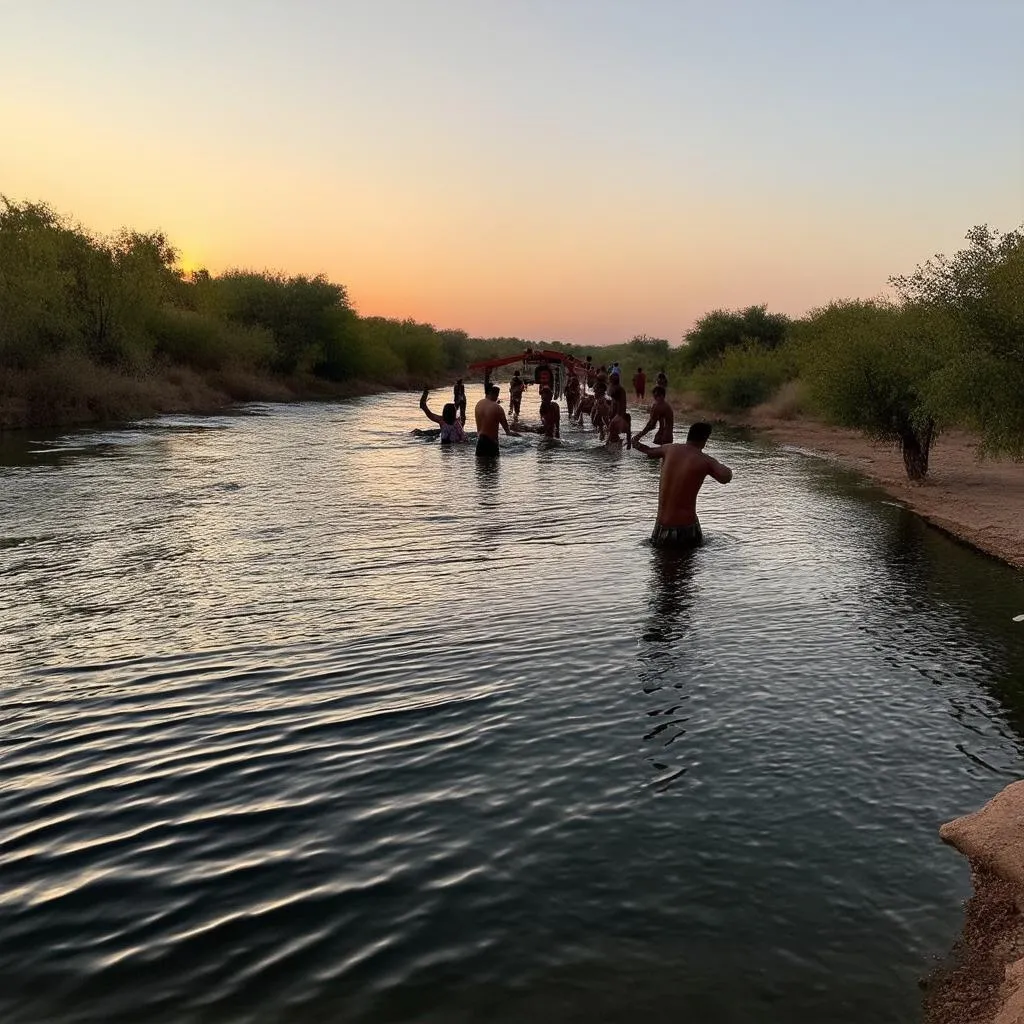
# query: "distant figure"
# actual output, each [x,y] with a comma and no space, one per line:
[661,416]
[617,394]
[640,383]
[591,373]
[515,395]
[618,428]
[459,396]
[615,369]
[684,468]
[451,428]
[550,414]
[572,392]
[662,380]
[601,410]
[489,416]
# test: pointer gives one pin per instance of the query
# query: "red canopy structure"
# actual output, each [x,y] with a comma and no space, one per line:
[545,360]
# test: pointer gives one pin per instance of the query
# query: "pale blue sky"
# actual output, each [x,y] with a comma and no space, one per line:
[585,170]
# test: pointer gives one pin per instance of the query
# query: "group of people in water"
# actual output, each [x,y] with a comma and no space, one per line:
[601,397]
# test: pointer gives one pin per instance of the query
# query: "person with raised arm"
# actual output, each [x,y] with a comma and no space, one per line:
[451,428]
[684,468]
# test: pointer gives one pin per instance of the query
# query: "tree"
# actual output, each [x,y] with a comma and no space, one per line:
[869,364]
[980,290]
[722,329]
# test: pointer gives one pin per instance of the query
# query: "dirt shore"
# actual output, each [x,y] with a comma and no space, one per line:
[978,502]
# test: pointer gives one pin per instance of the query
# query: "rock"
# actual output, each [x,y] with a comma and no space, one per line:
[993,838]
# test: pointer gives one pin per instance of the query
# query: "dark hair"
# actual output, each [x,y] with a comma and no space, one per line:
[493,389]
[639,369]
[698,433]
[658,388]
[448,413]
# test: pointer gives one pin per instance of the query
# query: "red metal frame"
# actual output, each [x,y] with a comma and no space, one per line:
[530,356]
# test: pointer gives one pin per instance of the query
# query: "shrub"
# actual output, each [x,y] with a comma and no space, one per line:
[740,378]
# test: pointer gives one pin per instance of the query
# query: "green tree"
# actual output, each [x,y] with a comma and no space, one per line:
[869,365]
[721,329]
[980,290]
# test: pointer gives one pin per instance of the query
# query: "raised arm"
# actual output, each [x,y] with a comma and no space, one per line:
[722,473]
[430,415]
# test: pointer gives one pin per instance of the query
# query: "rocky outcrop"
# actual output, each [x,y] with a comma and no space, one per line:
[985,983]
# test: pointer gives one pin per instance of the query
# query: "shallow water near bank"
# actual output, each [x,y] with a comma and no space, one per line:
[307,717]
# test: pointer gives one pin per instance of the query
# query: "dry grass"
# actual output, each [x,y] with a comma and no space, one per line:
[73,390]
[788,403]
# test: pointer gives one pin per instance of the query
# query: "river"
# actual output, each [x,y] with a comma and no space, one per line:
[308,718]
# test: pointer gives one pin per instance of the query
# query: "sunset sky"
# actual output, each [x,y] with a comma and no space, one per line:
[575,169]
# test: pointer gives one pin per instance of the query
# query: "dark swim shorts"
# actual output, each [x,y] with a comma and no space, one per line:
[677,536]
[485,447]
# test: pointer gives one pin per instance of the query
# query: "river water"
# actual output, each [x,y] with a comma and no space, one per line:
[308,718]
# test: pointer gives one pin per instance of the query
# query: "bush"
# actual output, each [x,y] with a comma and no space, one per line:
[207,343]
[740,378]
[722,329]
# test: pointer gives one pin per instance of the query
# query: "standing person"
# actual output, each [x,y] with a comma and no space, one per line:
[591,373]
[451,428]
[684,468]
[459,396]
[489,416]
[515,394]
[550,414]
[640,383]
[662,380]
[619,427]
[661,416]
[572,392]
[615,369]
[617,394]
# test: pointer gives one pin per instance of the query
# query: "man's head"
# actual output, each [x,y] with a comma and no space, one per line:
[492,392]
[614,376]
[659,392]
[545,393]
[639,369]
[459,381]
[516,374]
[698,434]
[448,413]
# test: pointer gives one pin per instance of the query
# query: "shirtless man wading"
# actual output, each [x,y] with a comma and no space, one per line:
[661,415]
[683,469]
[489,416]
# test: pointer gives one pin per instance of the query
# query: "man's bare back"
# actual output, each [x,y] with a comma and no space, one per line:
[684,469]
[490,417]
[662,417]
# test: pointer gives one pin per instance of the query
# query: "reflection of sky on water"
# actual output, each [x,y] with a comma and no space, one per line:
[408,682]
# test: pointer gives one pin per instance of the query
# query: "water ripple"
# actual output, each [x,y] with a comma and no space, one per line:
[307,717]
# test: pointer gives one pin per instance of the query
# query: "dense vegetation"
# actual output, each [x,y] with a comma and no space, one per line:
[109,327]
[947,351]
[103,327]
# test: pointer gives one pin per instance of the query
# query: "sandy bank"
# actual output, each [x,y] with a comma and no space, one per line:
[979,502]
[985,983]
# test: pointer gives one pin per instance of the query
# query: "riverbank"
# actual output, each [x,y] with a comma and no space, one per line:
[978,502]
[77,392]
[985,982]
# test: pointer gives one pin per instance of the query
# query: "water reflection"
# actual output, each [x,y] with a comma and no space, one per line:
[664,661]
[395,758]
